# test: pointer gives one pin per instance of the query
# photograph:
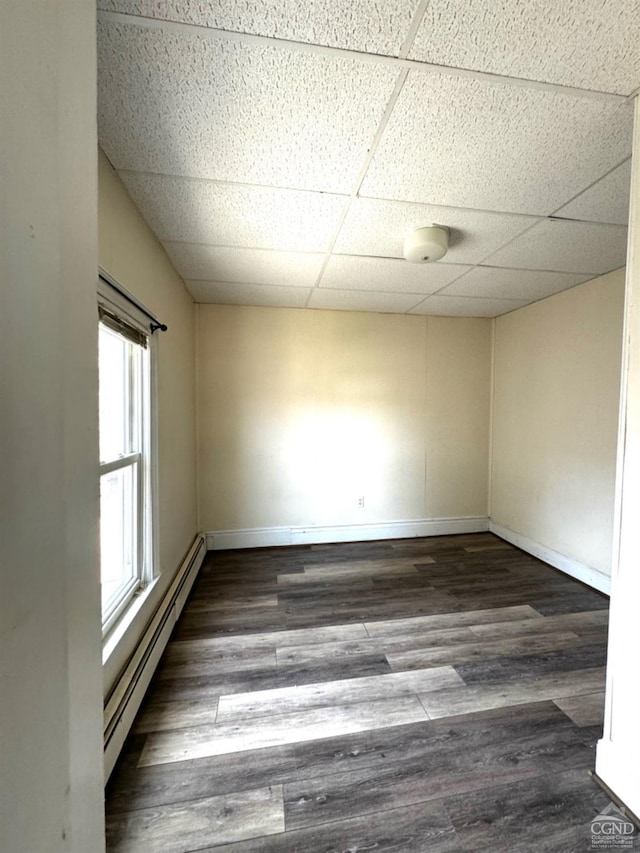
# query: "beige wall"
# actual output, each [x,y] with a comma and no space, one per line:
[457,415]
[301,412]
[556,392]
[130,253]
[50,639]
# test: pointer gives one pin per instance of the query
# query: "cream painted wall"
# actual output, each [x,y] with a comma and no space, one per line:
[301,412]
[51,797]
[130,253]
[556,393]
[457,416]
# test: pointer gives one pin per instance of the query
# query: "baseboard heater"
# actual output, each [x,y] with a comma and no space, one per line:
[125,698]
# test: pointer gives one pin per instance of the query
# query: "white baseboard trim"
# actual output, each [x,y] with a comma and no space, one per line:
[261,537]
[592,577]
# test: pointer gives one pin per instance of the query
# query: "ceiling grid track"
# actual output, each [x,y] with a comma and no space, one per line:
[363,172]
[359,56]
[402,77]
[281,154]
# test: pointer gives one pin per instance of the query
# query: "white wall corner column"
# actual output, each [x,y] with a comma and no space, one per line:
[51,787]
[618,753]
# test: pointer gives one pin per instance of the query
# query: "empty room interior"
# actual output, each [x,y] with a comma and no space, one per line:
[321,395]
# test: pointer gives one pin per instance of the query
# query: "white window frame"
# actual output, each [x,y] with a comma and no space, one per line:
[145,460]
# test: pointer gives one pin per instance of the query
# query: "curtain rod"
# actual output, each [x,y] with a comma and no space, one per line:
[155,323]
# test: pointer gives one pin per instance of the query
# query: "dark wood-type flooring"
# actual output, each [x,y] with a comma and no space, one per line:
[414,696]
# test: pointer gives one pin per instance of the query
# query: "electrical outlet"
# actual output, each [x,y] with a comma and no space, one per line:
[361,502]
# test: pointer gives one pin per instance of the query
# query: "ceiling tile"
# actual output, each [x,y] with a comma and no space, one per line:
[377,227]
[469,143]
[565,246]
[374,27]
[235,215]
[463,306]
[229,293]
[359,300]
[248,266]
[351,272]
[209,108]
[606,201]
[500,283]
[590,44]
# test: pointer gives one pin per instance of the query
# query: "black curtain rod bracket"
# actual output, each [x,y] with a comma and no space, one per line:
[158,326]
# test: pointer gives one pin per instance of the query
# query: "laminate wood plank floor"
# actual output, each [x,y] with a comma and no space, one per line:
[433,695]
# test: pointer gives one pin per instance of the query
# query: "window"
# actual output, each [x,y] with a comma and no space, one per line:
[126,558]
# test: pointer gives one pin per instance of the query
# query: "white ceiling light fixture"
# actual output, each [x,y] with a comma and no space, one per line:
[425,245]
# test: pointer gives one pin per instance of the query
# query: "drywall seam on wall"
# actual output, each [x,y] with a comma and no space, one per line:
[586,574]
[261,537]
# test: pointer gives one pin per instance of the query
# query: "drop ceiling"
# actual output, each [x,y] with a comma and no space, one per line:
[281,151]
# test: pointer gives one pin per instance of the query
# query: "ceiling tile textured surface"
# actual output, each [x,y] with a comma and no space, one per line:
[460,306]
[231,293]
[222,214]
[357,300]
[188,105]
[566,246]
[377,227]
[281,152]
[590,44]
[471,143]
[370,27]
[606,201]
[363,273]
[499,283]
[249,266]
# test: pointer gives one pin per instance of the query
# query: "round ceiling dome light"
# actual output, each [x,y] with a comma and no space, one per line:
[427,244]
